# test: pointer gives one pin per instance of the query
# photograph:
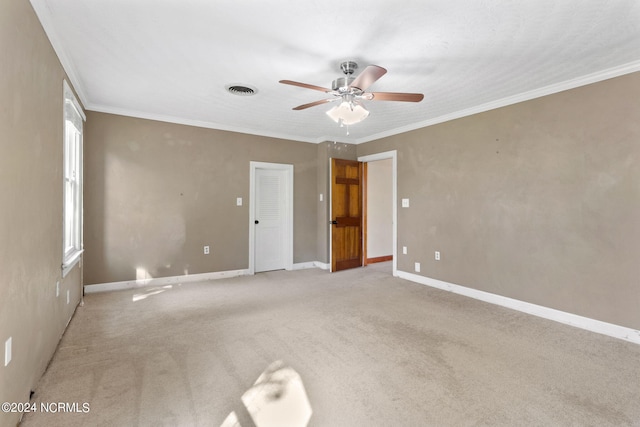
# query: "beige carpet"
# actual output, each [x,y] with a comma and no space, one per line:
[372,350]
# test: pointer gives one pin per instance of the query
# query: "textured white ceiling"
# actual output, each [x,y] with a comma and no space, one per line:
[172,59]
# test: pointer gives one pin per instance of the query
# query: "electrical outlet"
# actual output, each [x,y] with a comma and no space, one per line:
[417,267]
[405,203]
[239,201]
[404,250]
[206,250]
[7,351]
[437,255]
[57,288]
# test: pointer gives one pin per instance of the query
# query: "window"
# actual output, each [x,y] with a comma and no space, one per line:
[72,205]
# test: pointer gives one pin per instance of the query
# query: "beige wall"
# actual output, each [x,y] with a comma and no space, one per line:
[157,192]
[538,201]
[31,209]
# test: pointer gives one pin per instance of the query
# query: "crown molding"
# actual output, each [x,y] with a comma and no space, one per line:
[44,15]
[599,76]
[197,123]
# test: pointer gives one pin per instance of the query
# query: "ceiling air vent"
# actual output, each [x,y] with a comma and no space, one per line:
[241,90]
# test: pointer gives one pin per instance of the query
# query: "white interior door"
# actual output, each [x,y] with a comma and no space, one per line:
[270,219]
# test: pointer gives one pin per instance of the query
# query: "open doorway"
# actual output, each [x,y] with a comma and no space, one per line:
[378,245]
[380,209]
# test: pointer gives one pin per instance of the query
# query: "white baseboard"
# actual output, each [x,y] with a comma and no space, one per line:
[615,331]
[304,265]
[160,281]
[311,264]
[321,265]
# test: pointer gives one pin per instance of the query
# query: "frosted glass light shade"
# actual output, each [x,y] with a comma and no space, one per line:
[347,113]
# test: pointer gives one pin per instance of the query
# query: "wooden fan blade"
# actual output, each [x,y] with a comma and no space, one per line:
[397,96]
[368,77]
[313,104]
[305,85]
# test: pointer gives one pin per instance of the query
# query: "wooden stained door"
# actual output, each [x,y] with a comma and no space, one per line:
[346,214]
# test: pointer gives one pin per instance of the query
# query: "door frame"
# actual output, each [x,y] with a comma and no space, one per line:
[393,155]
[288,240]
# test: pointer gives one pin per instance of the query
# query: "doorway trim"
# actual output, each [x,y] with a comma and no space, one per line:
[393,155]
[253,166]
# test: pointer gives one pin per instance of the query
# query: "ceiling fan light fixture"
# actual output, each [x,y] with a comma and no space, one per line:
[350,91]
[348,113]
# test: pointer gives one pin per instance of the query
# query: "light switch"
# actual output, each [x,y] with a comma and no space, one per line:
[405,203]
[7,351]
[404,250]
[239,201]
[321,197]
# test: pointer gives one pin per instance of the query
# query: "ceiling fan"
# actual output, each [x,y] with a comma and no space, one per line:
[351,91]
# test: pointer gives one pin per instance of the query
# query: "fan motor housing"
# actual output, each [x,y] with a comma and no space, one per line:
[341,83]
